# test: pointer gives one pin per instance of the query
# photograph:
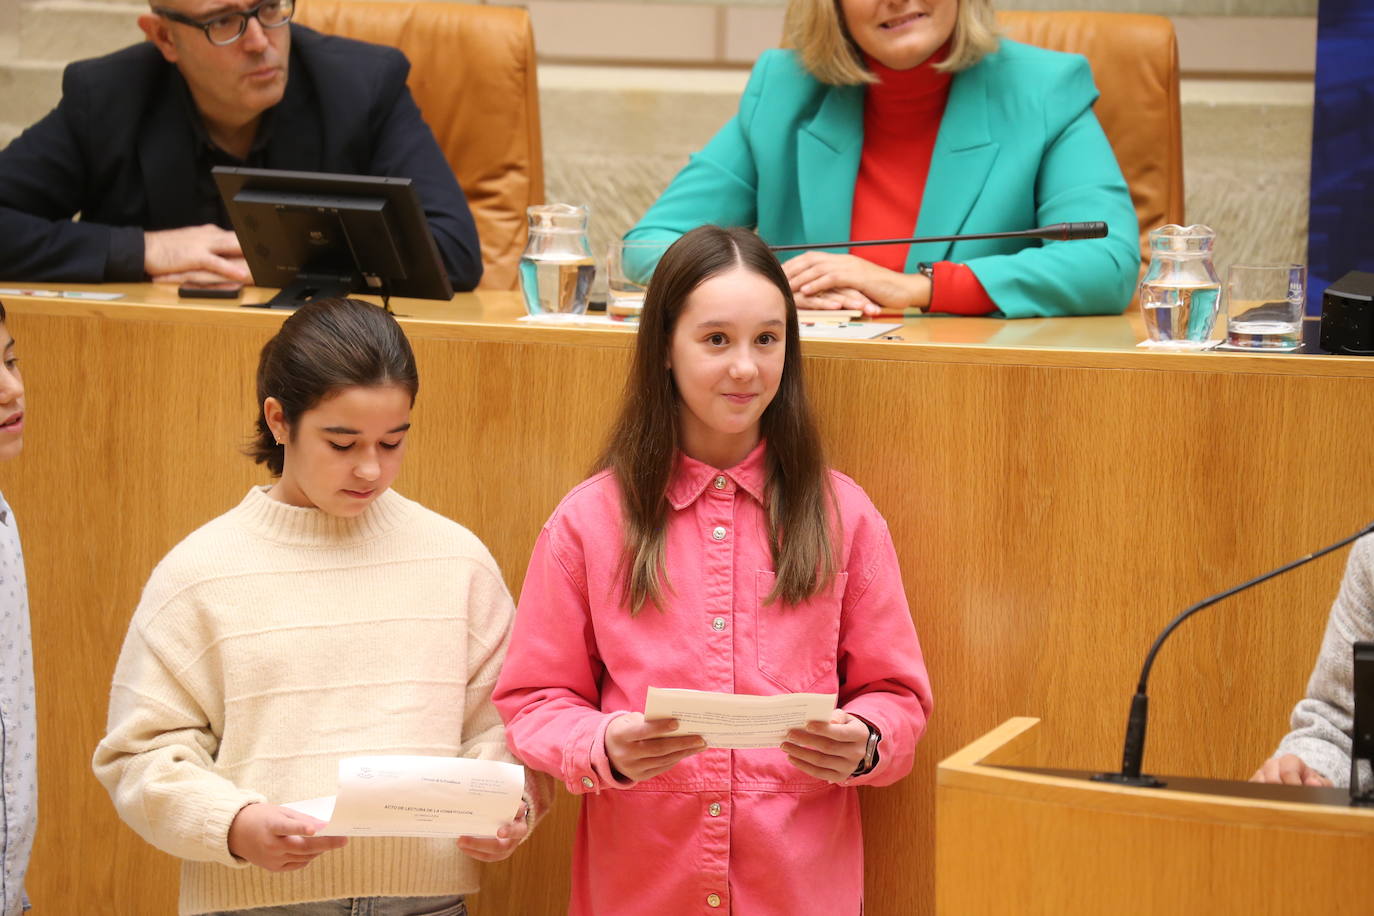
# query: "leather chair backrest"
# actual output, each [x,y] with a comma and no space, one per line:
[472,72]
[1134,59]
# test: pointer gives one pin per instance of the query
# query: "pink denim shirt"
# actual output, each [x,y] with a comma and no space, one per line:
[723,831]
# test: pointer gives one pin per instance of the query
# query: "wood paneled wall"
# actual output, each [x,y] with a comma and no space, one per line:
[1052,509]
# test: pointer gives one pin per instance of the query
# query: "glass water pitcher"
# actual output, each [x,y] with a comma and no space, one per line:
[557,267]
[1181,292]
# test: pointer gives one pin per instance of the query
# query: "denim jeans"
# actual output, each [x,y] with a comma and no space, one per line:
[362,906]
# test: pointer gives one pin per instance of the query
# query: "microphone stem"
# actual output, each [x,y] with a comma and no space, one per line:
[1208,602]
[1133,750]
[910,241]
[1057,232]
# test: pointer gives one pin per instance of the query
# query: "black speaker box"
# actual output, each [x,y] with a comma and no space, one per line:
[1348,315]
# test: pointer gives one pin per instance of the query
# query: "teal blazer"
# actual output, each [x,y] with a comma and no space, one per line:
[1018,147]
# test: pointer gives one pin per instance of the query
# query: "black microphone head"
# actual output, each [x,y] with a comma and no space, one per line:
[1064,232]
[1092,230]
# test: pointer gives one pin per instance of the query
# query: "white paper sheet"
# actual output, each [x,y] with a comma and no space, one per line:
[399,795]
[1180,346]
[853,330]
[582,319]
[737,721]
[65,294]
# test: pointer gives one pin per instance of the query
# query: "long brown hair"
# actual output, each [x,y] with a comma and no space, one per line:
[643,446]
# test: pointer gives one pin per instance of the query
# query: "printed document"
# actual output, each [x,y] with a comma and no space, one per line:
[737,721]
[397,795]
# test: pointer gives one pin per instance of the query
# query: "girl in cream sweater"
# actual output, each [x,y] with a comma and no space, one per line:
[324,616]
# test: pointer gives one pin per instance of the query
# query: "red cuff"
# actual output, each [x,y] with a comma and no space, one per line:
[955,290]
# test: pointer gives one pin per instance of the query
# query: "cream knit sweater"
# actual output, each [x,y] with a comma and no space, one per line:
[275,640]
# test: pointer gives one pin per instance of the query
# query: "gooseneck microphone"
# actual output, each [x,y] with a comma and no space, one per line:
[1133,751]
[1058,232]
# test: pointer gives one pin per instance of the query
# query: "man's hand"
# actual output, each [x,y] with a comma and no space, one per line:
[828,750]
[277,838]
[1289,770]
[494,849]
[814,272]
[638,749]
[195,254]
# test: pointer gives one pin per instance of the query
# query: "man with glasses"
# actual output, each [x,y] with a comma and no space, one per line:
[219,82]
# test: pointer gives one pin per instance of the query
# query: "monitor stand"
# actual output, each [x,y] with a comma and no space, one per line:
[308,287]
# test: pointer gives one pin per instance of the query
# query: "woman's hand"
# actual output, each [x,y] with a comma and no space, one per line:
[815,272]
[828,750]
[638,749]
[841,298]
[1290,770]
[494,849]
[277,838]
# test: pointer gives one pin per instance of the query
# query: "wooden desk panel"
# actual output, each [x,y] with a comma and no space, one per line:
[1024,842]
[1052,505]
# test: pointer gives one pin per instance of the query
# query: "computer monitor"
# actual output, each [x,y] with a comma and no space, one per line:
[318,235]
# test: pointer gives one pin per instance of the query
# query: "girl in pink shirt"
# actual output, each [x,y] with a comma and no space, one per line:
[715,551]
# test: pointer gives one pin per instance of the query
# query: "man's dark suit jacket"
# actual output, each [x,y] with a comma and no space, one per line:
[120,149]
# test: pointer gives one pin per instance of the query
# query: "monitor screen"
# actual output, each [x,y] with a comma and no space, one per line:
[316,235]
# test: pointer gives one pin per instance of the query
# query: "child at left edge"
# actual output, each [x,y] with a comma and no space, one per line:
[18,719]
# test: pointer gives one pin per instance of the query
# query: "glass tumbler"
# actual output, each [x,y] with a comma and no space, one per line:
[1264,306]
[629,266]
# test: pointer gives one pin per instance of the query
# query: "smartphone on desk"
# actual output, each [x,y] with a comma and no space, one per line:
[226,290]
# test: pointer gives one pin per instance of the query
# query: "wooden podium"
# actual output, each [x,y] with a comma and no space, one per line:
[1012,839]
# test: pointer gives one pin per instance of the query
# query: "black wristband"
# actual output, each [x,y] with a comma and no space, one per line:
[870,758]
[927,270]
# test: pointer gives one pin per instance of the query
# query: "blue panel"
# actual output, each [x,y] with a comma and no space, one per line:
[1341,229]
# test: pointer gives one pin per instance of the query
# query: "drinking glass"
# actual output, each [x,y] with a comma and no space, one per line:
[1264,306]
[629,266]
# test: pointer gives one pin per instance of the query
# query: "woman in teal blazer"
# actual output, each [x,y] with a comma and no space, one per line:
[1017,147]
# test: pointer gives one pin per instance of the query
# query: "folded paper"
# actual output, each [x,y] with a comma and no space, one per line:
[397,795]
[735,720]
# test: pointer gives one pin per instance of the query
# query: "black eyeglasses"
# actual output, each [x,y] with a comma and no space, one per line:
[229,27]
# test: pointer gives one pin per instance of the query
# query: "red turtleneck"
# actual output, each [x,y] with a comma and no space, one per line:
[902,114]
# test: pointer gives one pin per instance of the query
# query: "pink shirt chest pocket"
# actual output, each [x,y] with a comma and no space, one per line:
[797,645]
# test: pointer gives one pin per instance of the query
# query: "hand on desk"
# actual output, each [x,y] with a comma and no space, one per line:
[841,298]
[195,254]
[1290,771]
[813,273]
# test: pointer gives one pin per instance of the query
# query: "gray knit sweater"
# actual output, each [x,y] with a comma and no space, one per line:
[1321,722]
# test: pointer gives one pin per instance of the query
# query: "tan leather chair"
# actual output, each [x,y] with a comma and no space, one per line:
[1134,60]
[472,72]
